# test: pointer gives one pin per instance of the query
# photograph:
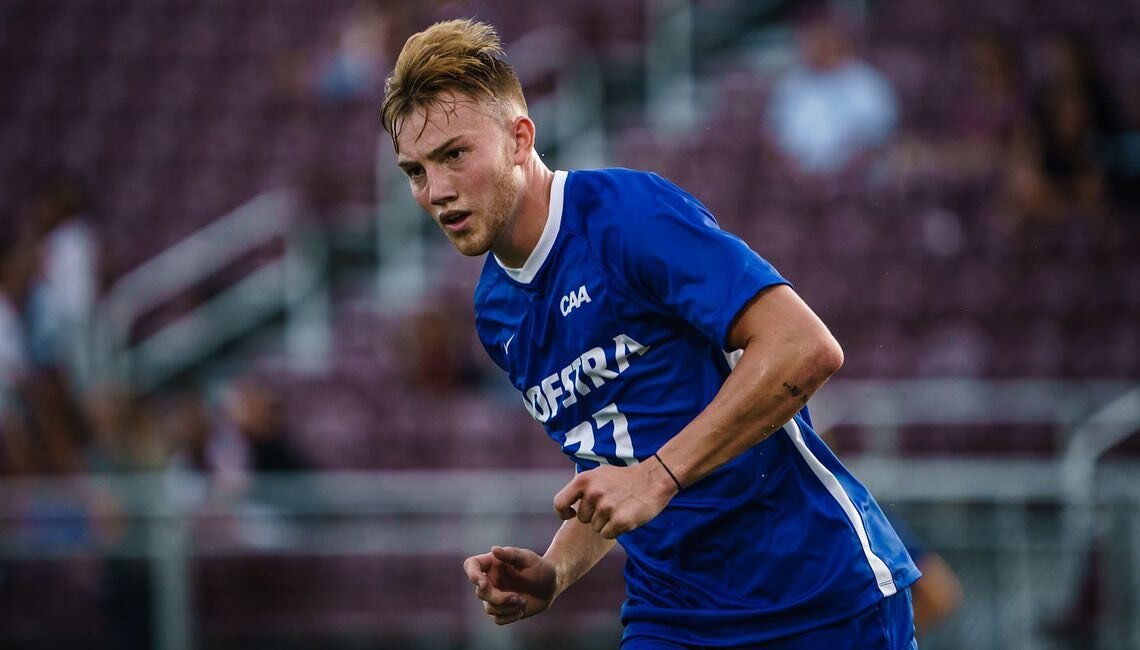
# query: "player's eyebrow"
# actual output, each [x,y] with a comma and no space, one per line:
[434,154]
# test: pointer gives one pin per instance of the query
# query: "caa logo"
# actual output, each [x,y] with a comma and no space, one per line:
[574,300]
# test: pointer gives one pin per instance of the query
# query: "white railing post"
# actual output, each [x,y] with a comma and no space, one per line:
[307,310]
[670,88]
[168,559]
[1099,432]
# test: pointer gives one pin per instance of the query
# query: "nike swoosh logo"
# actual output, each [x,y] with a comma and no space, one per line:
[507,345]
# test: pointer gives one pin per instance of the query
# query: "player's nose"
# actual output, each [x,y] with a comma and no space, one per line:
[440,189]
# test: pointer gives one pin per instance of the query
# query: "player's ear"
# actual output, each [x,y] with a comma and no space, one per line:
[522,132]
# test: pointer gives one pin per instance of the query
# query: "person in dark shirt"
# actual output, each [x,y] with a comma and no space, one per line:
[257,414]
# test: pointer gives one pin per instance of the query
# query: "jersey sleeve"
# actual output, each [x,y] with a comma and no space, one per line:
[668,248]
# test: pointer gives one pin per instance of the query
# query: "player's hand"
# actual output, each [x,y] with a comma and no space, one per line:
[615,500]
[513,583]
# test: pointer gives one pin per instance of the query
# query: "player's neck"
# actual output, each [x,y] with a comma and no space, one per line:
[530,214]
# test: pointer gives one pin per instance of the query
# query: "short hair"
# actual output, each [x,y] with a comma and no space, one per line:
[461,56]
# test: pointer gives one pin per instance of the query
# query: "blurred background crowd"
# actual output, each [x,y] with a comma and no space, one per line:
[211,273]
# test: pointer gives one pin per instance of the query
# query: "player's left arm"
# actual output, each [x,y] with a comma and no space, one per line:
[787,354]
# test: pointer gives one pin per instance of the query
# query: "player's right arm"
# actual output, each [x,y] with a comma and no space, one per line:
[515,583]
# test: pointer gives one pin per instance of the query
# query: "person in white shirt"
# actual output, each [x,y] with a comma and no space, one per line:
[830,107]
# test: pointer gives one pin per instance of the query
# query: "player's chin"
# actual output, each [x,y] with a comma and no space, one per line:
[469,244]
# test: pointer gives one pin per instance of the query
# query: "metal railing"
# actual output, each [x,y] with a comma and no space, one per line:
[291,283]
[993,521]
[1016,530]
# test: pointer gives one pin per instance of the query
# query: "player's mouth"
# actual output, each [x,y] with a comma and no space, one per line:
[454,220]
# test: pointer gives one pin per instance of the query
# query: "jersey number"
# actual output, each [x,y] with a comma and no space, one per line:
[586,435]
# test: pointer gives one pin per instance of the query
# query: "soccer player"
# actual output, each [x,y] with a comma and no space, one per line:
[938,594]
[670,362]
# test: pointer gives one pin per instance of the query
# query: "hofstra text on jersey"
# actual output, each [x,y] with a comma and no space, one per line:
[542,399]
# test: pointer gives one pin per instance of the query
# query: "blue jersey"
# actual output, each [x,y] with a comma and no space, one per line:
[614,332]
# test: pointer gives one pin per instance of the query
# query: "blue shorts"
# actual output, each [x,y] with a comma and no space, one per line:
[888,625]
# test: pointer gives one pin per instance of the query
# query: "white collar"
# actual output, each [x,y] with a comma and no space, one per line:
[545,243]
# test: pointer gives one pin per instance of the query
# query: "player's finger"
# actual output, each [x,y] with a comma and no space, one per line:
[503,603]
[486,591]
[614,528]
[509,607]
[507,620]
[493,596]
[587,510]
[566,497]
[476,568]
[510,555]
[510,612]
[601,518]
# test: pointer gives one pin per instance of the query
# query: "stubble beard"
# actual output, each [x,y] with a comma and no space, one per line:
[496,217]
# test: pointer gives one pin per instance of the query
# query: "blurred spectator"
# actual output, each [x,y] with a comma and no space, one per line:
[986,125]
[256,413]
[1066,167]
[189,428]
[15,265]
[54,429]
[993,110]
[831,107]
[125,432]
[216,462]
[992,115]
[219,458]
[47,292]
[206,469]
[361,57]
[63,292]
[437,352]
[354,59]
[14,271]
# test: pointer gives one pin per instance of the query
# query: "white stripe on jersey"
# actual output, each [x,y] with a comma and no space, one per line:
[878,567]
[882,573]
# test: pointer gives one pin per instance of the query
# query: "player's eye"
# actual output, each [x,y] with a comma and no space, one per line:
[454,154]
[414,172]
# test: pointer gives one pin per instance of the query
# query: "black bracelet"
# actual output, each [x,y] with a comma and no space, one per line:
[667,471]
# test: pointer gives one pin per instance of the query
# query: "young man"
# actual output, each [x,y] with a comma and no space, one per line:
[670,362]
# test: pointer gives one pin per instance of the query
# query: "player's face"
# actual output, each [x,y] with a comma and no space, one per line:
[458,155]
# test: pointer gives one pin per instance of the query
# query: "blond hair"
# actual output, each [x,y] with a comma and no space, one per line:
[462,56]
